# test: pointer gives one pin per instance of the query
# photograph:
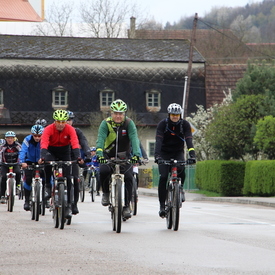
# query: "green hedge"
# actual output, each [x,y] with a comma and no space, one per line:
[259,178]
[223,177]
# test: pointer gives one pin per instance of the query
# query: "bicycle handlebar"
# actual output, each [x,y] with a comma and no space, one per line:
[172,162]
[60,162]
[9,164]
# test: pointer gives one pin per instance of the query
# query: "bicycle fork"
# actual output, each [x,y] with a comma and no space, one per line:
[10,175]
[113,189]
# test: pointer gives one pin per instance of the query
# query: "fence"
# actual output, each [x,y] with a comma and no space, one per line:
[189,183]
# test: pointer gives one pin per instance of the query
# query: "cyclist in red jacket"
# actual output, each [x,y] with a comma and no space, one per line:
[58,142]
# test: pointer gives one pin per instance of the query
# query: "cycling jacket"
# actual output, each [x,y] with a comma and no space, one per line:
[52,137]
[30,150]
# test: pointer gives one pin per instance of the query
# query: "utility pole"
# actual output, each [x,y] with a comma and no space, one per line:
[189,70]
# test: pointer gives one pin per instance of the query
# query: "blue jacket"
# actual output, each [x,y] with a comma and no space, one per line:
[30,150]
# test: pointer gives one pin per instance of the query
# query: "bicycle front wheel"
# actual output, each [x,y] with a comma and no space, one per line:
[117,208]
[93,188]
[176,207]
[11,194]
[169,208]
[134,196]
[61,207]
[37,205]
[81,189]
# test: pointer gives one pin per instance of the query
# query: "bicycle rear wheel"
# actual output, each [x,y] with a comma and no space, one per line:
[134,196]
[11,194]
[176,207]
[21,190]
[61,208]
[81,188]
[117,214]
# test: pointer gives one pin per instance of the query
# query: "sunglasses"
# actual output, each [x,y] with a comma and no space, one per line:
[37,135]
[61,121]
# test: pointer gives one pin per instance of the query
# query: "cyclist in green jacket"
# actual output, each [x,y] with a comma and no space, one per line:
[117,136]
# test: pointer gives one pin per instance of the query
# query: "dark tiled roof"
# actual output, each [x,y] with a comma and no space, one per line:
[114,49]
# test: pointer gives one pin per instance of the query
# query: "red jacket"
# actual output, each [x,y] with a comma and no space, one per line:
[52,137]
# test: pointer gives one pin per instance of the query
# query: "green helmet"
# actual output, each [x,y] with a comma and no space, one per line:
[118,106]
[61,115]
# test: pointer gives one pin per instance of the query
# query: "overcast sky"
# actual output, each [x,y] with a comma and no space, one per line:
[173,10]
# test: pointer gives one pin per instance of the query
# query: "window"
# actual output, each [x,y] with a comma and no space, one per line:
[151,147]
[153,100]
[59,97]
[107,96]
[1,97]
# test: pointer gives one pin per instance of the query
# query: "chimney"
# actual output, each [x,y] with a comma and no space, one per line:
[132,31]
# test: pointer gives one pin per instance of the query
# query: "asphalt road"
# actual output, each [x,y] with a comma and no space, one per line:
[213,238]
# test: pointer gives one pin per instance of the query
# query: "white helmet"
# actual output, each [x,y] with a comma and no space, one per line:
[174,108]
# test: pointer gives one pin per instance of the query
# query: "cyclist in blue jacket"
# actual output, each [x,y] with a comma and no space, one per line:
[30,154]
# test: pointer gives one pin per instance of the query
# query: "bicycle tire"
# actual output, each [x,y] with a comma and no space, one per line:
[55,217]
[118,205]
[175,207]
[11,195]
[134,197]
[93,189]
[21,190]
[169,209]
[61,208]
[37,201]
[43,204]
[81,189]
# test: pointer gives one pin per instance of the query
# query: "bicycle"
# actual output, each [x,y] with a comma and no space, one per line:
[11,185]
[59,199]
[173,201]
[38,203]
[92,181]
[117,188]
[81,183]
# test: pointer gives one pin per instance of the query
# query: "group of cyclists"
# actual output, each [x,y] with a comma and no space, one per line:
[117,138]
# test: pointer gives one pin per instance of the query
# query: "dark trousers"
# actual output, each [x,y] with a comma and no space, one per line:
[106,171]
[164,171]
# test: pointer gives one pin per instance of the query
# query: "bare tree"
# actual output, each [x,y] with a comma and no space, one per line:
[57,21]
[107,18]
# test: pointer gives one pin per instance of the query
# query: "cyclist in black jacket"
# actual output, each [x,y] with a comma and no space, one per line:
[85,149]
[171,135]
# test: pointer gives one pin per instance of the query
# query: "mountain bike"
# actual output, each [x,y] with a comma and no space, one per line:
[81,183]
[59,199]
[11,185]
[92,181]
[117,187]
[173,201]
[38,203]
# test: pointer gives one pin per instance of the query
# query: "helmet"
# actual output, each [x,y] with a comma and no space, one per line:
[93,149]
[70,114]
[10,134]
[37,129]
[2,141]
[118,106]
[60,115]
[174,108]
[42,122]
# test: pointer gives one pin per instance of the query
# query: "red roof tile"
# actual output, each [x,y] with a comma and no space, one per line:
[18,10]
